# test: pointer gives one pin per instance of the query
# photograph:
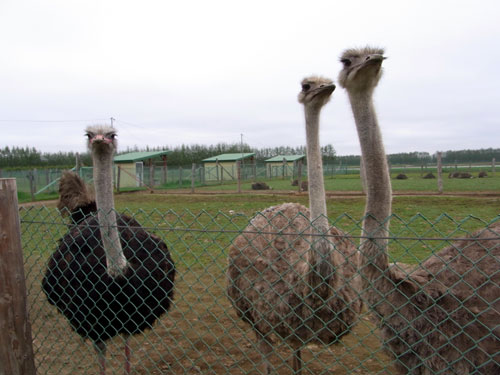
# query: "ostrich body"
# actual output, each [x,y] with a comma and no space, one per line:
[285,282]
[107,288]
[442,317]
[74,198]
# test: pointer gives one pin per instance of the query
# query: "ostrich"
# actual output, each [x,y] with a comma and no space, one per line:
[74,198]
[109,276]
[285,278]
[442,317]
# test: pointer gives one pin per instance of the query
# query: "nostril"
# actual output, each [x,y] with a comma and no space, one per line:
[367,57]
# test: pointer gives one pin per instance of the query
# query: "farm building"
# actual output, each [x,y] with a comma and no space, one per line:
[283,165]
[223,167]
[130,167]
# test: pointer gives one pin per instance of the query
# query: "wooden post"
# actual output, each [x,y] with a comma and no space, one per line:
[254,170]
[31,179]
[217,171]
[284,169]
[299,176]
[238,173]
[16,350]
[193,171]
[439,172]
[493,166]
[119,173]
[180,176]
[151,173]
[164,169]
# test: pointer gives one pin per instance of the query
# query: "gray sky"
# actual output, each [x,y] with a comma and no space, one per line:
[185,72]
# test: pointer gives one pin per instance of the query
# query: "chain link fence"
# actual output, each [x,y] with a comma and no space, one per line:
[202,333]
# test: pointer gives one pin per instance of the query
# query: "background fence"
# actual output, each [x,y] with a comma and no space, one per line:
[201,333]
[37,181]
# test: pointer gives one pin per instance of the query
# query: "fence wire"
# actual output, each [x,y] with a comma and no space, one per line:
[203,331]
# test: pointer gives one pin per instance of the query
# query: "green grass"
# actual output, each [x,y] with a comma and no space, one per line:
[201,227]
[351,182]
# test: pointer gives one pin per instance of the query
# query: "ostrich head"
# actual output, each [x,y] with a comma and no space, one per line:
[362,68]
[101,139]
[316,91]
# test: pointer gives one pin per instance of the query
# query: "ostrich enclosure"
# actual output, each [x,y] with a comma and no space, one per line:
[202,334]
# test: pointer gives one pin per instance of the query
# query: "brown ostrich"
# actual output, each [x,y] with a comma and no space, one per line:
[108,276]
[75,199]
[443,317]
[285,278]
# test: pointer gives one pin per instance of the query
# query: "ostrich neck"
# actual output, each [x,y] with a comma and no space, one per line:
[378,188]
[317,199]
[103,181]
[319,254]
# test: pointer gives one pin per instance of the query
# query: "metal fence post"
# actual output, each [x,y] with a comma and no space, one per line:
[16,350]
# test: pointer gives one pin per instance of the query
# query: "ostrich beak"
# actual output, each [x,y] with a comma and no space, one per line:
[325,90]
[99,138]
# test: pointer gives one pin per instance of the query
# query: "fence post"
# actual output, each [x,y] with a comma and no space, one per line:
[164,170]
[119,173]
[254,170]
[217,171]
[193,171]
[16,350]
[299,176]
[151,173]
[493,166]
[180,176]
[31,179]
[440,172]
[238,173]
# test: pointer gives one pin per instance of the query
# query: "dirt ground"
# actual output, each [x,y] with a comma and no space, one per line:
[200,335]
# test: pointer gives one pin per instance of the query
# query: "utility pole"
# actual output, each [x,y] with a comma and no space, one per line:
[112,119]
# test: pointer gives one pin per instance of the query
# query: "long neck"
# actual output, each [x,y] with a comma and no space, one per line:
[378,189]
[115,259]
[319,253]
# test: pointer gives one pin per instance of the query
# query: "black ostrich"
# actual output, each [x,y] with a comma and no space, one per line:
[109,276]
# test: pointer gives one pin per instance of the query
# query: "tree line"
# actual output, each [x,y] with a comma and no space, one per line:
[30,157]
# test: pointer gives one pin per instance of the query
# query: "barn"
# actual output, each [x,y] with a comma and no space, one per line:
[129,167]
[223,167]
[283,165]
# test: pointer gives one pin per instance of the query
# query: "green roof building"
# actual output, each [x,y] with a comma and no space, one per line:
[130,167]
[282,165]
[223,167]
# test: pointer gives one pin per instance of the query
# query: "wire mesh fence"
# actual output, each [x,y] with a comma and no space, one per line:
[203,331]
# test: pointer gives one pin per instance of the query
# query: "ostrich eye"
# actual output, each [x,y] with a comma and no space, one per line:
[111,135]
[88,135]
[306,87]
[346,62]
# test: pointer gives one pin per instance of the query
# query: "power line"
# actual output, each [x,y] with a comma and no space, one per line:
[93,120]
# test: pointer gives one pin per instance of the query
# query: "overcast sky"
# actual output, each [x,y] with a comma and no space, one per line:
[186,72]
